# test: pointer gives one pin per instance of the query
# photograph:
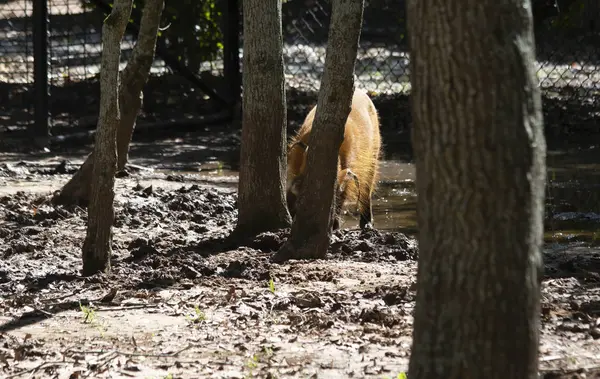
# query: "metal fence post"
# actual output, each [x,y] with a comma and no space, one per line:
[231,59]
[41,125]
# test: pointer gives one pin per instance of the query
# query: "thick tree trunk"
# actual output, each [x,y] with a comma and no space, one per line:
[261,192]
[96,247]
[311,230]
[133,79]
[480,163]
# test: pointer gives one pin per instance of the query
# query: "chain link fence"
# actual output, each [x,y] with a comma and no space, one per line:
[74,54]
[16,61]
[567,61]
[190,58]
[382,61]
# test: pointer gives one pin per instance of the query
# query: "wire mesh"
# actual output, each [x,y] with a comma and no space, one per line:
[75,49]
[16,60]
[570,68]
[382,60]
[567,64]
[16,63]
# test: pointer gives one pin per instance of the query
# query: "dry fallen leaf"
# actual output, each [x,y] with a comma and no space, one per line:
[231,295]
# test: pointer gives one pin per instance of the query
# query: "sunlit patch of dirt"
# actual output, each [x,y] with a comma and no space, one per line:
[177,303]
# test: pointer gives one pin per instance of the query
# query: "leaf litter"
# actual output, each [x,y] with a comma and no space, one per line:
[178,305]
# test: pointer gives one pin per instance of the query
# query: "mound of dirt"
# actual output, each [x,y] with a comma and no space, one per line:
[179,301]
[160,237]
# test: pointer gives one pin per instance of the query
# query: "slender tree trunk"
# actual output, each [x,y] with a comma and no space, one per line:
[311,230]
[133,78]
[96,247]
[261,192]
[135,75]
[480,163]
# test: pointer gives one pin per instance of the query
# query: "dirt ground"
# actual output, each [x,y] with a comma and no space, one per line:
[177,305]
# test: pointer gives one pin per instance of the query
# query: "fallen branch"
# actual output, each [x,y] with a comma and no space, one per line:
[125,308]
[130,354]
[34,369]
[75,292]
[107,360]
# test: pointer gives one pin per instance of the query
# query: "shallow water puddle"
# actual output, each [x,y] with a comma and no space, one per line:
[572,191]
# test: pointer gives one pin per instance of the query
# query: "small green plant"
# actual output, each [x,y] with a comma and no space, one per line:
[271,285]
[89,315]
[268,351]
[251,365]
[219,167]
[401,375]
[198,317]
[253,362]
[168,376]
[264,355]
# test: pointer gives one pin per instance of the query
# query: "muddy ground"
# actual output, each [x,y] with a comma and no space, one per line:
[177,306]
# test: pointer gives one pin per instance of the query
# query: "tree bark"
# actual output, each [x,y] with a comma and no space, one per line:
[133,78]
[97,244]
[135,75]
[261,188]
[311,230]
[480,164]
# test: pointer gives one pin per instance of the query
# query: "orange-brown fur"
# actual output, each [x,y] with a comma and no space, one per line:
[358,158]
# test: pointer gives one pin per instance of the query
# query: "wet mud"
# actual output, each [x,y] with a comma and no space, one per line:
[178,304]
[160,235]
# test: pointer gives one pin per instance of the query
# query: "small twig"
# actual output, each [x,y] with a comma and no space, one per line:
[124,308]
[33,370]
[169,355]
[165,27]
[131,354]
[48,314]
[62,296]
[109,357]
[126,374]
[551,358]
